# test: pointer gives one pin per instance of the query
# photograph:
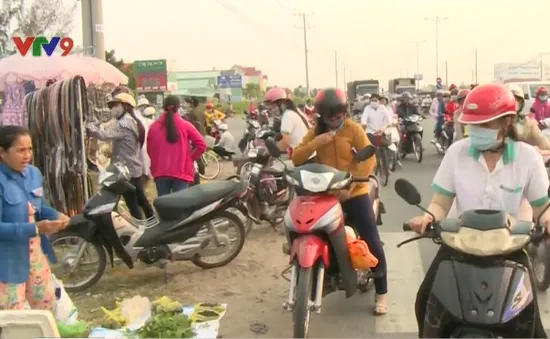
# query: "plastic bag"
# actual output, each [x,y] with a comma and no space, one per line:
[65,310]
[79,329]
[361,257]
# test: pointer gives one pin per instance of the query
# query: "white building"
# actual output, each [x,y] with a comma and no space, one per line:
[521,71]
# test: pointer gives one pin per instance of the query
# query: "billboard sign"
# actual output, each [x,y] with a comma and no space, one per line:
[230,81]
[151,75]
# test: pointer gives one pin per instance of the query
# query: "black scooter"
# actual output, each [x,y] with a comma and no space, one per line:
[481,292]
[190,226]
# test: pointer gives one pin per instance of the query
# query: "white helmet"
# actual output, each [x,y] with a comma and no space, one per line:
[142,101]
[222,127]
[149,111]
[516,91]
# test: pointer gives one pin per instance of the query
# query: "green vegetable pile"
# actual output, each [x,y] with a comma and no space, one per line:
[79,329]
[167,321]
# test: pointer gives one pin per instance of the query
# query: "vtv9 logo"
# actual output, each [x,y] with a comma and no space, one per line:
[40,43]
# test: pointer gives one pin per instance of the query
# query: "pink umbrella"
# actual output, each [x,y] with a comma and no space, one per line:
[40,69]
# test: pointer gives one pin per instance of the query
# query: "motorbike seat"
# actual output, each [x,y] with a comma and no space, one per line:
[172,206]
[278,169]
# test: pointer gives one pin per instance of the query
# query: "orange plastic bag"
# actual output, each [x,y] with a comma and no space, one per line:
[361,257]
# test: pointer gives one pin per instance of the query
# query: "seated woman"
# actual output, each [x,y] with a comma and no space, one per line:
[335,138]
[488,170]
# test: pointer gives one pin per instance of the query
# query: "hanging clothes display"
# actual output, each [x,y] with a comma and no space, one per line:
[13,110]
[55,119]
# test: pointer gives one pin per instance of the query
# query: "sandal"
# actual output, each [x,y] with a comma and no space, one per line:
[380,307]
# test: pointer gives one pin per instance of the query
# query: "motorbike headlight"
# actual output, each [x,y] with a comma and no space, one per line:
[340,184]
[291,180]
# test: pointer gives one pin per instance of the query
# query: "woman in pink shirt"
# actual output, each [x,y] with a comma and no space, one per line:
[173,144]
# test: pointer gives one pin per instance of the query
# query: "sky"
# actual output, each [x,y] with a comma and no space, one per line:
[373,39]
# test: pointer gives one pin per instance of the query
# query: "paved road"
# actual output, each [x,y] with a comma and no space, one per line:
[351,318]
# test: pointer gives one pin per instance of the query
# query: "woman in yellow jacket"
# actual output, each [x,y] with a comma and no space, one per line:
[334,139]
[212,115]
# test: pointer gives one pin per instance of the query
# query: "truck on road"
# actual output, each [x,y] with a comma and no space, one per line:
[361,87]
[400,85]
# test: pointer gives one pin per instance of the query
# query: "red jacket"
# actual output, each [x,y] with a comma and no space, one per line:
[450,108]
[174,160]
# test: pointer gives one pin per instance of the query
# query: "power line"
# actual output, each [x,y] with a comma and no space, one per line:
[259,25]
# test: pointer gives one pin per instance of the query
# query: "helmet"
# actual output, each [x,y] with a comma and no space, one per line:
[462,94]
[331,101]
[454,91]
[143,101]
[446,93]
[542,90]
[486,103]
[439,92]
[222,127]
[123,98]
[275,94]
[453,86]
[149,111]
[209,105]
[516,91]
[406,95]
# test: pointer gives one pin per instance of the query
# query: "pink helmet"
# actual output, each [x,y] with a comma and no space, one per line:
[274,94]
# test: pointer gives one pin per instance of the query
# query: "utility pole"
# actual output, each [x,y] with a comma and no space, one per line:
[92,27]
[418,43]
[475,69]
[305,27]
[345,82]
[541,68]
[336,67]
[446,73]
[436,20]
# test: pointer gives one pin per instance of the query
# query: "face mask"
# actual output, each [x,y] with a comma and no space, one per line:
[118,111]
[334,125]
[543,97]
[374,104]
[483,138]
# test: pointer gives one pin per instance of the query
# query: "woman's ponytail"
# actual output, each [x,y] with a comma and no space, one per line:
[171,107]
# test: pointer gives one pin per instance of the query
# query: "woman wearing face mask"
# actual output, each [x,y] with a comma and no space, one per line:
[527,128]
[334,138]
[488,170]
[294,125]
[541,106]
[128,137]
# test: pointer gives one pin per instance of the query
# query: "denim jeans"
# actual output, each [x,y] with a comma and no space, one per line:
[167,185]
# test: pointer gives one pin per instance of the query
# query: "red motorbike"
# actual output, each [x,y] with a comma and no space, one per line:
[319,255]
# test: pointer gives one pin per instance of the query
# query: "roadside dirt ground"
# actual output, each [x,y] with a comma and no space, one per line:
[251,285]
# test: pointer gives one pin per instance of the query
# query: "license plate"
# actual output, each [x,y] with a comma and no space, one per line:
[253,153]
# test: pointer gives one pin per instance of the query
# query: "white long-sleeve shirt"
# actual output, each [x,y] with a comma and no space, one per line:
[227,141]
[434,107]
[375,118]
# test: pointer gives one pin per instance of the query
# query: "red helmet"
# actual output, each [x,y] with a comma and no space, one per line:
[462,94]
[486,103]
[542,90]
[274,94]
[453,86]
[331,101]
[209,105]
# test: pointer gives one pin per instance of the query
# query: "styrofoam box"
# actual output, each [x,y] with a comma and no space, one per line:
[27,324]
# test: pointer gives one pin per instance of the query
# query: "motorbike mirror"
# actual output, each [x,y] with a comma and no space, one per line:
[365,153]
[407,192]
[272,147]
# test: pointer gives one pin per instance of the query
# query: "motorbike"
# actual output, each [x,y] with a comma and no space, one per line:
[411,136]
[484,292]
[446,136]
[252,126]
[191,226]
[320,261]
[268,194]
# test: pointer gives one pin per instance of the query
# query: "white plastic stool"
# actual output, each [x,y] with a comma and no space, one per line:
[27,324]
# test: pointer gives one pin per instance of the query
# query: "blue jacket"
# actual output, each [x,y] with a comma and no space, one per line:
[16,190]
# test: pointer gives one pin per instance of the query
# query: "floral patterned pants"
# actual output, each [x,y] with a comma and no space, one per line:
[38,291]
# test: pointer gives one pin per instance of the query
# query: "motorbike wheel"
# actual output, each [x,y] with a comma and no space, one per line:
[417,148]
[248,225]
[383,167]
[241,236]
[243,171]
[65,260]
[304,286]
[540,262]
[394,157]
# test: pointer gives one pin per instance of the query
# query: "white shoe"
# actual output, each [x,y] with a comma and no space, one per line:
[433,141]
